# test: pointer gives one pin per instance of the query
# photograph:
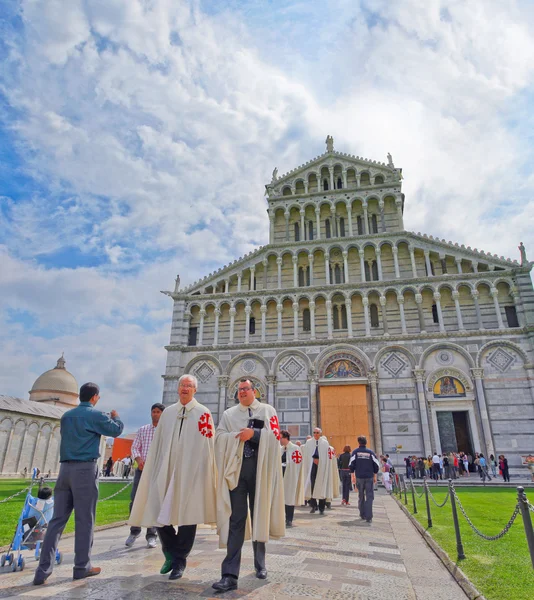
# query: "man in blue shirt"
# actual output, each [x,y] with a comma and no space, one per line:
[364,466]
[77,482]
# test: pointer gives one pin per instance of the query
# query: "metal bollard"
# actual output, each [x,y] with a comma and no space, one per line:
[413,499]
[428,513]
[527,521]
[459,545]
[405,494]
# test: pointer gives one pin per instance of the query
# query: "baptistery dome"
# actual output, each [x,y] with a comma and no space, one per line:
[56,386]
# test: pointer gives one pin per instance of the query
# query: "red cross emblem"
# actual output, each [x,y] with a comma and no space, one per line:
[296,457]
[275,426]
[331,453]
[204,425]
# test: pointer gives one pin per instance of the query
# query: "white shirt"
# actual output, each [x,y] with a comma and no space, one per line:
[435,459]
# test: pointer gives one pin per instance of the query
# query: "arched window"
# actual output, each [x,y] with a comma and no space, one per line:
[308,275]
[336,317]
[511,316]
[325,184]
[301,277]
[374,270]
[192,339]
[360,226]
[373,224]
[328,228]
[435,317]
[373,310]
[367,272]
[379,179]
[342,226]
[286,191]
[306,320]
[339,183]
[310,230]
[252,325]
[337,274]
[343,316]
[297,232]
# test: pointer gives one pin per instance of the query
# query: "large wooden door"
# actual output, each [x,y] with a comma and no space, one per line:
[344,414]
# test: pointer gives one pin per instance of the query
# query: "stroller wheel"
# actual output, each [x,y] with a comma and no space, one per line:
[59,558]
[2,560]
[22,563]
[9,559]
[14,566]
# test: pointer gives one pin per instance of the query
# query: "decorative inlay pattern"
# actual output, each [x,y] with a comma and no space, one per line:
[204,372]
[394,364]
[444,357]
[249,366]
[292,368]
[501,360]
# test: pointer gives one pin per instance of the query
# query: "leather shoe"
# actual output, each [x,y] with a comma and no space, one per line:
[289,524]
[261,573]
[39,580]
[91,573]
[226,584]
[314,509]
[167,565]
[177,572]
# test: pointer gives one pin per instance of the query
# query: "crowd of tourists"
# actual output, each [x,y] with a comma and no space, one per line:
[455,465]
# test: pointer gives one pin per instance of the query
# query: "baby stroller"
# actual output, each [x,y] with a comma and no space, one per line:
[31,528]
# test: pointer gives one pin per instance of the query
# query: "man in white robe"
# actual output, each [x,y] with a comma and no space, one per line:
[317,471]
[292,470]
[334,479]
[250,480]
[178,487]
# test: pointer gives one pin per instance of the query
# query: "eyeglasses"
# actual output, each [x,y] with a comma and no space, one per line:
[187,387]
[245,389]
[316,433]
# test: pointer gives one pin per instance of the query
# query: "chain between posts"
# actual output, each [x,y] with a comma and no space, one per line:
[489,538]
[26,489]
[434,500]
[419,495]
[116,493]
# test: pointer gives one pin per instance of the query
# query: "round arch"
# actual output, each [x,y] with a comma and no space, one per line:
[497,343]
[247,354]
[446,345]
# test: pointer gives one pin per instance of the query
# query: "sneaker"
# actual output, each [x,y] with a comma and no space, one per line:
[167,565]
[130,540]
[151,542]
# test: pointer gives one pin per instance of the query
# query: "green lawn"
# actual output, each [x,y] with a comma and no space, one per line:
[109,511]
[499,569]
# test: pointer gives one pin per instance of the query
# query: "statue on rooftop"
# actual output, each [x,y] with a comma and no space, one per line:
[275,175]
[523,253]
[177,283]
[390,161]
[329,143]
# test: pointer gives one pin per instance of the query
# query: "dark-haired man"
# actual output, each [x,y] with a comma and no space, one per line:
[77,483]
[140,447]
[364,466]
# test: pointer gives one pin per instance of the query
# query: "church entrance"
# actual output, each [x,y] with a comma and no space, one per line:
[454,431]
[344,413]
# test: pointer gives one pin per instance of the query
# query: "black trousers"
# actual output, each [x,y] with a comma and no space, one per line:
[366,496]
[312,501]
[345,483]
[177,543]
[241,498]
[151,531]
[290,511]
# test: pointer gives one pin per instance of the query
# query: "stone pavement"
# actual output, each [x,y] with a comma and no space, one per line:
[332,557]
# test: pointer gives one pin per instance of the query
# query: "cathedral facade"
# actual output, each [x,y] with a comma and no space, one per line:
[347,321]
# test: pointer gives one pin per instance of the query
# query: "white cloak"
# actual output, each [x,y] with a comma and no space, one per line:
[179,481]
[323,481]
[334,482]
[269,514]
[293,481]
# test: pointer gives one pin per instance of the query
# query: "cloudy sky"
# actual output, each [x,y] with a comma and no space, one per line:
[136,137]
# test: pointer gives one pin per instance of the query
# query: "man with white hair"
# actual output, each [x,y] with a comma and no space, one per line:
[178,487]
[317,471]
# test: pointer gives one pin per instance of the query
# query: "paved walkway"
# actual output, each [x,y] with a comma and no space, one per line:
[332,557]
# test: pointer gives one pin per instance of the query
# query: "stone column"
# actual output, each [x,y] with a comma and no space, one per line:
[306,187]
[217,313]
[302,226]
[271,228]
[329,318]
[202,314]
[313,400]
[332,186]
[8,448]
[362,265]
[295,320]
[437,300]
[295,271]
[414,266]
[358,180]
[35,446]
[271,382]
[232,321]
[443,262]
[187,321]
[310,262]
[318,223]
[398,204]
[384,315]
[377,430]
[348,309]
[428,263]
[327,268]
[400,300]
[286,215]
[478,374]
[475,295]
[349,214]
[365,302]
[223,383]
[365,218]
[379,263]
[456,298]
[518,306]
[419,375]
[279,309]
[279,267]
[263,310]
[395,251]
[458,264]
[252,278]
[239,277]
[419,302]
[265,263]
[344,173]
[248,310]
[474,264]
[346,265]
[495,295]
[382,216]
[311,307]
[226,286]
[333,220]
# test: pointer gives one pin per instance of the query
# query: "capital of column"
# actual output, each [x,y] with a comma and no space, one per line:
[286,215]
[217,312]
[295,259]
[378,251]
[248,310]
[514,293]
[232,311]
[345,254]
[475,294]
[347,296]
[265,262]
[494,292]
[372,375]
[418,299]
[302,212]
[295,306]
[252,268]
[202,312]
[311,305]
[317,211]
[455,295]
[310,258]
[365,204]
[223,380]
[365,301]
[279,308]
[437,296]
[477,373]
[381,204]
[279,261]
[383,300]
[271,379]
[400,299]
[263,309]
[419,375]
[394,249]
[328,304]
[398,202]
[333,210]
[426,253]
